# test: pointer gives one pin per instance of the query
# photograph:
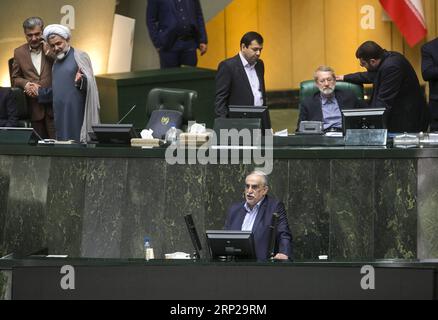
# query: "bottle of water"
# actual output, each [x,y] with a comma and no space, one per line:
[171,135]
[148,250]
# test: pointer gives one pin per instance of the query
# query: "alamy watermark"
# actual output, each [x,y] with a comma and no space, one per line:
[231,147]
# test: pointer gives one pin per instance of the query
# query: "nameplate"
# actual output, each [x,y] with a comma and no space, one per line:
[366,137]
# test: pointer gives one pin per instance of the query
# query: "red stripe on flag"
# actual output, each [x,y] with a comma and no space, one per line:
[408,22]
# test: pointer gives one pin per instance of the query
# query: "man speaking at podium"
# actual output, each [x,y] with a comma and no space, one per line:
[256,215]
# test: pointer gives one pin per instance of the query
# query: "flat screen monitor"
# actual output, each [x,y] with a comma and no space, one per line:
[114,133]
[229,245]
[363,119]
[261,113]
[10,135]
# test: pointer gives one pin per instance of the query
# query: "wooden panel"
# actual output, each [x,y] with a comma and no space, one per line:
[308,41]
[302,35]
[382,32]
[275,26]
[241,16]
[341,28]
[216,44]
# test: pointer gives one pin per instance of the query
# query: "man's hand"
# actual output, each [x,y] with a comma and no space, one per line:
[340,78]
[203,48]
[280,256]
[79,75]
[31,89]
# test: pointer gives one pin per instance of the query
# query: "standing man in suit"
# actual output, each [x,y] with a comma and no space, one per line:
[326,105]
[177,29]
[8,109]
[241,80]
[429,68]
[255,214]
[31,70]
[395,87]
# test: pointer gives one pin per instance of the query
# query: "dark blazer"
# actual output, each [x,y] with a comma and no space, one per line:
[162,22]
[429,66]
[8,109]
[237,213]
[396,88]
[24,71]
[233,87]
[311,107]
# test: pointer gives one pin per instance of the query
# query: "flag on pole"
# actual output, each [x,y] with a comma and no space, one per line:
[408,15]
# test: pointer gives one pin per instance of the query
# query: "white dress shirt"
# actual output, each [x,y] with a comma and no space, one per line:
[251,215]
[36,57]
[253,81]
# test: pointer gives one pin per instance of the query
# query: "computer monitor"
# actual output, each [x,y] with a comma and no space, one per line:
[261,113]
[363,119]
[114,133]
[229,245]
[10,135]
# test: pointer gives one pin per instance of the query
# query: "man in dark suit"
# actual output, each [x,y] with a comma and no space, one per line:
[8,109]
[429,54]
[326,105]
[241,80]
[395,87]
[255,214]
[31,70]
[177,29]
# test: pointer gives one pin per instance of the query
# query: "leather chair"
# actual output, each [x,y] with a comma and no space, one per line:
[308,88]
[165,103]
[23,112]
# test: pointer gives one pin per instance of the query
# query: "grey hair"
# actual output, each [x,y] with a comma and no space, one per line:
[323,69]
[33,22]
[261,174]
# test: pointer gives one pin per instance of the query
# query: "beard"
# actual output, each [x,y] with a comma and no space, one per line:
[327,91]
[63,54]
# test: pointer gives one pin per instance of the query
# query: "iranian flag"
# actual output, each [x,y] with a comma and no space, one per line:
[408,15]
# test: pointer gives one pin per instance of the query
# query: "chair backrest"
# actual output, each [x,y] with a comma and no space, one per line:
[308,88]
[171,99]
[23,111]
[10,64]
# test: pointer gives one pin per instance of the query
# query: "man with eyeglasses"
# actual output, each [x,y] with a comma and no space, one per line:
[31,70]
[240,80]
[326,105]
[255,214]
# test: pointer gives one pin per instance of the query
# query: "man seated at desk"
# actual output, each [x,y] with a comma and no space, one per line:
[255,214]
[8,109]
[326,105]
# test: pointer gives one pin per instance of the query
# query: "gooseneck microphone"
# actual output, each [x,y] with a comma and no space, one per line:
[194,236]
[127,114]
[273,234]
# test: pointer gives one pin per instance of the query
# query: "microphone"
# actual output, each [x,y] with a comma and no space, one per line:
[127,114]
[194,236]
[272,235]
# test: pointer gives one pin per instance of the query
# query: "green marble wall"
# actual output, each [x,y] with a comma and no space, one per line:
[5,285]
[349,209]
[427,208]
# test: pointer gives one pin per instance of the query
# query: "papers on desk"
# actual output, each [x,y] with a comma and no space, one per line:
[282,133]
[334,134]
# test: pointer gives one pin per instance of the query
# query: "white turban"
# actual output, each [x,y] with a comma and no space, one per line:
[58,29]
